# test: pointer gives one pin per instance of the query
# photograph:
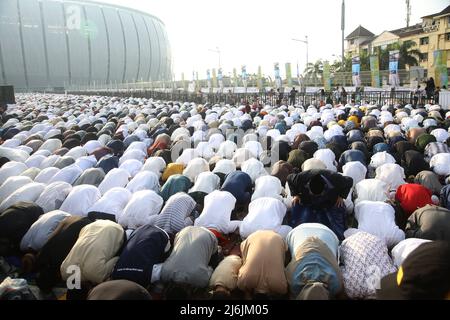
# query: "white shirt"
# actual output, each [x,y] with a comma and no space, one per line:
[254,147]
[86,162]
[371,190]
[144,180]
[327,157]
[133,154]
[53,196]
[227,149]
[380,158]
[80,200]
[132,166]
[140,210]
[204,150]
[206,182]
[186,156]
[312,163]
[267,186]
[264,214]
[76,152]
[440,163]
[91,145]
[355,170]
[378,218]
[112,202]
[215,140]
[254,168]
[216,212]
[115,178]
[28,193]
[195,167]
[225,166]
[12,184]
[402,250]
[392,174]
[67,174]
[11,169]
[155,165]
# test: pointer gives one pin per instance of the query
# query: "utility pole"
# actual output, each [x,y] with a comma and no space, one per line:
[343,29]
[307,43]
[408,12]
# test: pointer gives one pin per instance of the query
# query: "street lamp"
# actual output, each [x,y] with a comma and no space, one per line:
[217,50]
[305,42]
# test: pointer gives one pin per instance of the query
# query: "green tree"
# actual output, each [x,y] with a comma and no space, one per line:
[337,65]
[409,55]
[313,71]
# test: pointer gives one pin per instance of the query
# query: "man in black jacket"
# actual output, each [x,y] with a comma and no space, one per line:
[318,196]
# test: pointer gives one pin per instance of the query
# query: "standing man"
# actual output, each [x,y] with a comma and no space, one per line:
[292,96]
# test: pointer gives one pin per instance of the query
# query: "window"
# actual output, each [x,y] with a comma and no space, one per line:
[423,41]
[352,42]
[424,57]
[447,36]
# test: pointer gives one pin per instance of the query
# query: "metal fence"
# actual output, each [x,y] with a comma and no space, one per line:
[303,98]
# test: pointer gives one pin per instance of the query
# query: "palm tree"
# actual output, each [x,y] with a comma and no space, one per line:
[409,56]
[337,65]
[313,70]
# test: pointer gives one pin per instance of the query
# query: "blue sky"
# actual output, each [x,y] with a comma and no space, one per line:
[253,32]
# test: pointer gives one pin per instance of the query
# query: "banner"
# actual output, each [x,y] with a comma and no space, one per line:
[214,78]
[183,81]
[260,80]
[208,78]
[440,68]
[220,77]
[235,77]
[356,70]
[375,71]
[278,82]
[326,76]
[288,74]
[394,79]
[244,75]
[197,84]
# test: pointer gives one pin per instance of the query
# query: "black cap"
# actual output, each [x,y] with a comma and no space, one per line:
[424,275]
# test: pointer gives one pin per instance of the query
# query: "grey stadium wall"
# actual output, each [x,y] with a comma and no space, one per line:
[61,43]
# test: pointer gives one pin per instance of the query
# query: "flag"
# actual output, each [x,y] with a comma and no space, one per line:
[394,79]
[375,71]
[440,67]
[326,76]
[260,82]
[288,74]
[214,78]
[356,69]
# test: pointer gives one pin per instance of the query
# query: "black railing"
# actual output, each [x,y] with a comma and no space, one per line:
[305,99]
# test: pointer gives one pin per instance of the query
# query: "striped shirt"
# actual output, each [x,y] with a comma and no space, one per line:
[175,214]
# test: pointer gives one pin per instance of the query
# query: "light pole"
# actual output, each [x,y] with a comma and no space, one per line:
[217,50]
[305,42]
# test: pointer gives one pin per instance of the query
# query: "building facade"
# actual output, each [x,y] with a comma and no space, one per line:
[430,35]
[62,43]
